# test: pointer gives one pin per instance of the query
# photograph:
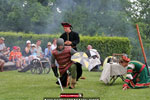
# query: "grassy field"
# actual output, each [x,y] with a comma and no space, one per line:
[27,86]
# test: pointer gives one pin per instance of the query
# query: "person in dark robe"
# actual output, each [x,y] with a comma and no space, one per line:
[67,69]
[71,38]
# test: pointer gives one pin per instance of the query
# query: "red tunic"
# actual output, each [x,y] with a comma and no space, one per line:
[63,59]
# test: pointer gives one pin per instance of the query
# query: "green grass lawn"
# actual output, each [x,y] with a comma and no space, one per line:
[27,86]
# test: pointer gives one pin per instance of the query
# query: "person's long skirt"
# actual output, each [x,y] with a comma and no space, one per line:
[140,80]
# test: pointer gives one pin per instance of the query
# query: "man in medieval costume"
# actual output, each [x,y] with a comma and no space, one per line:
[137,74]
[71,38]
[67,69]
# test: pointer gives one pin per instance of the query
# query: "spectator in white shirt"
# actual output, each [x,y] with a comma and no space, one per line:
[39,49]
[54,45]
[4,51]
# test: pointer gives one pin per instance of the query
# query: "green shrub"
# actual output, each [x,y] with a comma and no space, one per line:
[19,39]
[106,46]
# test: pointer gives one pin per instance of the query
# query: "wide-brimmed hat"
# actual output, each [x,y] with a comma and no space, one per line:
[49,43]
[2,38]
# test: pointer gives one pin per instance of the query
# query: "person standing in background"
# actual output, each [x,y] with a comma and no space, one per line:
[71,38]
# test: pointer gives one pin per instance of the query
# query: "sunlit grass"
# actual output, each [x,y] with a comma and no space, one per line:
[27,86]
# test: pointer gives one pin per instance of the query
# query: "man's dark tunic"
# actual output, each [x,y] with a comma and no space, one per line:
[74,38]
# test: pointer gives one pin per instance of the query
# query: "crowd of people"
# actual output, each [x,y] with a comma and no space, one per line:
[30,52]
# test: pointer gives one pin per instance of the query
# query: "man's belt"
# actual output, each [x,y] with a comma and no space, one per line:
[71,46]
[65,64]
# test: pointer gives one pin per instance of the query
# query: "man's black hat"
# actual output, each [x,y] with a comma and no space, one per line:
[64,24]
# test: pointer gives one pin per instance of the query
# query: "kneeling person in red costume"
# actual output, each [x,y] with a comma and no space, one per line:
[67,69]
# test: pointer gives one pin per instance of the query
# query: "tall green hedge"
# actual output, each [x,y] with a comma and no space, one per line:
[106,46]
[19,39]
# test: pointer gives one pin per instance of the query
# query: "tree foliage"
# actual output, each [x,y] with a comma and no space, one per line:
[88,17]
[23,15]
[140,13]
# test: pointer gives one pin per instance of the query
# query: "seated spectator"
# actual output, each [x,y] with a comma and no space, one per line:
[21,59]
[33,51]
[16,57]
[4,51]
[39,49]
[36,52]
[54,44]
[2,62]
[94,58]
[12,54]
[27,52]
[48,50]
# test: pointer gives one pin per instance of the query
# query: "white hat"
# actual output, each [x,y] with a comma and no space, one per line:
[33,45]
[28,41]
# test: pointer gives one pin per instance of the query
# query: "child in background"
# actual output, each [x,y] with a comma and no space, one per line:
[20,58]
[33,51]
[12,56]
[16,57]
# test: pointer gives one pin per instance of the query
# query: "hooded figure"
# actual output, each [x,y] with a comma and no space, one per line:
[67,69]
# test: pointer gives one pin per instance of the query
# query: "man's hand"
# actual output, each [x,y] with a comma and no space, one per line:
[68,43]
